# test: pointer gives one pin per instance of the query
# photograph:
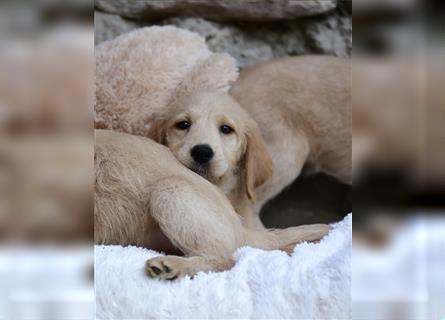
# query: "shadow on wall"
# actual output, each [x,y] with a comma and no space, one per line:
[309,199]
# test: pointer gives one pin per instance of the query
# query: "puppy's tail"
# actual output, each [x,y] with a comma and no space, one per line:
[285,239]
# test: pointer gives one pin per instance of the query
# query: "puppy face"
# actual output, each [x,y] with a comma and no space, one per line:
[212,135]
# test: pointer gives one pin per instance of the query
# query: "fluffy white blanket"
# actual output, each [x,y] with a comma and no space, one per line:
[313,283]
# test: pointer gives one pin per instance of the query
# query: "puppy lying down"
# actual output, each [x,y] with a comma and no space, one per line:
[144,196]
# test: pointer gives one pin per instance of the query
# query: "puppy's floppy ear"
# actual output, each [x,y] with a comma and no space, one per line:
[257,161]
[156,131]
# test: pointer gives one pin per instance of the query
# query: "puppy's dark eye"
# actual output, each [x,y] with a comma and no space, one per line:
[183,125]
[226,129]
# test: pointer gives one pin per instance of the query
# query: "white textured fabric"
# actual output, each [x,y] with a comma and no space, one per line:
[313,283]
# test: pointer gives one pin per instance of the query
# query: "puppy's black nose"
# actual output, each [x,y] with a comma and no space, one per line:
[202,153]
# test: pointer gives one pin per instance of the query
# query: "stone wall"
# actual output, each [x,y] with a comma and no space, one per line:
[260,32]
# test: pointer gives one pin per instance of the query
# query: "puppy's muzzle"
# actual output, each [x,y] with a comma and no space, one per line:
[202,153]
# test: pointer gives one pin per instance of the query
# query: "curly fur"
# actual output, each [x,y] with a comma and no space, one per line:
[140,73]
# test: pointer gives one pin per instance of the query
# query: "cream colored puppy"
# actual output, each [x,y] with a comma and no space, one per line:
[145,197]
[209,133]
[302,106]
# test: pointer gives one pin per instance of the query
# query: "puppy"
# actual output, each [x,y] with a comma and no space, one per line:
[302,106]
[145,197]
[209,133]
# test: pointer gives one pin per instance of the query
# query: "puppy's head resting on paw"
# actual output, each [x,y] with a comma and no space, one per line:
[209,133]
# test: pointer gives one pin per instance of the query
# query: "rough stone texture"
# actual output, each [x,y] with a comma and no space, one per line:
[332,35]
[220,10]
[109,26]
[246,42]
[252,42]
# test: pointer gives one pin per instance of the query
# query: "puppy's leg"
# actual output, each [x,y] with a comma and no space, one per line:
[174,267]
[200,222]
[286,239]
[290,237]
[208,230]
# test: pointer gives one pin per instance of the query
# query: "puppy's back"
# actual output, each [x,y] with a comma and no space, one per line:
[305,96]
[125,166]
[298,87]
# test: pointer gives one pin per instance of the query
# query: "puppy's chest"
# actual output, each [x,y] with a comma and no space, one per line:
[229,185]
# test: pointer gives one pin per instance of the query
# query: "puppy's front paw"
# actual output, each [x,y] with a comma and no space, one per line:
[165,268]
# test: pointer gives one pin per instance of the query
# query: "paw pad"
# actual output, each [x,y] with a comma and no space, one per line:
[157,268]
